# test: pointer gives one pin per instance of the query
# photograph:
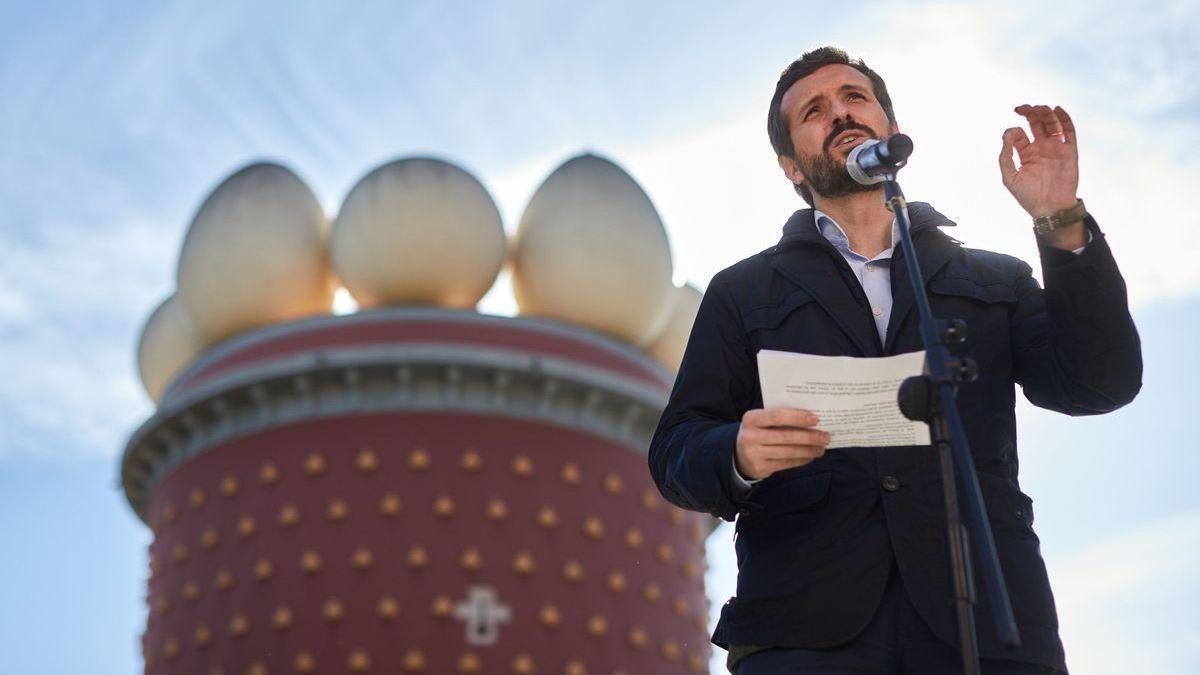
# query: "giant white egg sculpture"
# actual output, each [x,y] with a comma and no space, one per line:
[255,254]
[169,341]
[591,250]
[418,231]
[668,347]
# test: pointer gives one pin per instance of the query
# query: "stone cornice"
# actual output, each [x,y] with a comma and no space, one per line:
[415,315]
[332,382]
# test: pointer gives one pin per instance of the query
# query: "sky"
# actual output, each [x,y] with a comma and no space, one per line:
[116,119]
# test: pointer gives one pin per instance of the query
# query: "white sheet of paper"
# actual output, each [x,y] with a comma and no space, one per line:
[854,397]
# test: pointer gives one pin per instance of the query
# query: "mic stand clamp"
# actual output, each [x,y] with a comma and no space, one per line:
[929,398]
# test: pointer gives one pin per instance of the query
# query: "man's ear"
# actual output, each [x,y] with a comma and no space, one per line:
[790,169]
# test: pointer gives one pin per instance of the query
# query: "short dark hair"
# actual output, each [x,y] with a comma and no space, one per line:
[778,129]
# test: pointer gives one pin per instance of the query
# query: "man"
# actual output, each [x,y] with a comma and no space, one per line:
[842,563]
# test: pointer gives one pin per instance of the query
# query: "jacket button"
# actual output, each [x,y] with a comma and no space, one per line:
[891,483]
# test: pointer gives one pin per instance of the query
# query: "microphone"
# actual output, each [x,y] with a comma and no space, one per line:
[872,161]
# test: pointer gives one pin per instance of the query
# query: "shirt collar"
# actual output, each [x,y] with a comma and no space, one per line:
[835,235]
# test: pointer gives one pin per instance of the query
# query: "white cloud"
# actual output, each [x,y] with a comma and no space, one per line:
[954,78]
[1127,604]
[70,384]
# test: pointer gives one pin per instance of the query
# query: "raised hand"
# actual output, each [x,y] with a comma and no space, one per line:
[1048,177]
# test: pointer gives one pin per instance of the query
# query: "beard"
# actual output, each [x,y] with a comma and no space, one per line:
[827,176]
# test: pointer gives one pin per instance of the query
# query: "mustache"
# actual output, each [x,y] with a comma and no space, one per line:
[837,130]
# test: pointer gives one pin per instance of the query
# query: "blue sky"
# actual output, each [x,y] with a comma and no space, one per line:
[116,120]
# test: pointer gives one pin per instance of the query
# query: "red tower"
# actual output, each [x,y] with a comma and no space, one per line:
[415,491]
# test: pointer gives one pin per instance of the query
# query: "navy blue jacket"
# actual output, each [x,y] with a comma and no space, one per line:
[814,543]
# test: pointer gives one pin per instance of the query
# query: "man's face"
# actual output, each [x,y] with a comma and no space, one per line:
[829,113]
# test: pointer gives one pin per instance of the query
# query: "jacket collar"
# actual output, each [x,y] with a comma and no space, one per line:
[802,226]
[816,269]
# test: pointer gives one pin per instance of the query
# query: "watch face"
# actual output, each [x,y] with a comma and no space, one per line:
[1046,224]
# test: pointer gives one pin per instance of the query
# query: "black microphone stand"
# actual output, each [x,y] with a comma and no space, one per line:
[930,398]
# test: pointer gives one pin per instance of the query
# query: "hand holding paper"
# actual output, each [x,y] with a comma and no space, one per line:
[774,439]
[854,397]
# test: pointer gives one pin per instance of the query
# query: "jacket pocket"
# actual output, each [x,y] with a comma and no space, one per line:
[987,310]
[786,496]
[772,316]
[1009,509]
[973,290]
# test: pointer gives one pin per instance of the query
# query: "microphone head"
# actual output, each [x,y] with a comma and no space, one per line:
[871,161]
[852,158]
[899,147]
[855,169]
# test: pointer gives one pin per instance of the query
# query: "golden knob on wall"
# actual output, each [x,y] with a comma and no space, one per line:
[362,559]
[289,515]
[549,616]
[337,511]
[613,484]
[547,517]
[419,460]
[390,504]
[314,464]
[571,475]
[366,461]
[263,569]
[417,557]
[471,460]
[597,625]
[616,581]
[469,664]
[593,528]
[413,661]
[523,563]
[239,625]
[358,661]
[171,649]
[246,527]
[522,664]
[471,560]
[305,663]
[224,579]
[209,539]
[268,474]
[443,506]
[522,466]
[333,610]
[496,509]
[442,607]
[573,571]
[282,618]
[388,608]
[638,637]
[230,486]
[310,562]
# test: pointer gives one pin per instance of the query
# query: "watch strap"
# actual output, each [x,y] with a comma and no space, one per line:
[1054,221]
